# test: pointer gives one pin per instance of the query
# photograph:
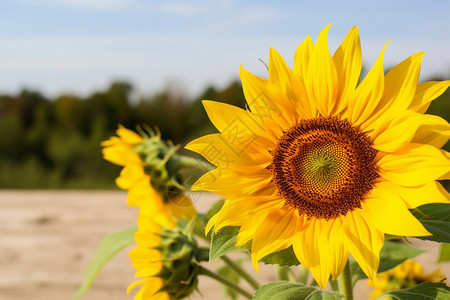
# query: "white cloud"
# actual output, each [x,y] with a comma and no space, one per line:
[179,8]
[89,4]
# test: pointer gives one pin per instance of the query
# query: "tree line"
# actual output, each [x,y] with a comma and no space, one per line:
[55,142]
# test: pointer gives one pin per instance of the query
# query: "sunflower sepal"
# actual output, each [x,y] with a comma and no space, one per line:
[180,265]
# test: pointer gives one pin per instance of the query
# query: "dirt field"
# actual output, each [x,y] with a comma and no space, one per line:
[47,239]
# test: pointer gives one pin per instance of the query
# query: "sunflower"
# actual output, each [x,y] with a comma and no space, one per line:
[164,258]
[405,275]
[325,163]
[121,150]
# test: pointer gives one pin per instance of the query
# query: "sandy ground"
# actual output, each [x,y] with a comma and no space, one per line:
[47,239]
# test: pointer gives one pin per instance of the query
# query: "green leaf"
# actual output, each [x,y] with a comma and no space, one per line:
[444,255]
[435,217]
[424,291]
[284,257]
[286,290]
[109,247]
[224,242]
[391,255]
[229,273]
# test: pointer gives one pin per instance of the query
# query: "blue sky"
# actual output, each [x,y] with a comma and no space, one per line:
[77,46]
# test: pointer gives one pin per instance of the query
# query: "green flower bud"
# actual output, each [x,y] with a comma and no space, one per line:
[180,266]
[161,164]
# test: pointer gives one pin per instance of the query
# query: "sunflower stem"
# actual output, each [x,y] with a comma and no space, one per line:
[225,281]
[282,274]
[334,285]
[241,272]
[202,254]
[303,274]
[345,283]
[285,273]
[188,162]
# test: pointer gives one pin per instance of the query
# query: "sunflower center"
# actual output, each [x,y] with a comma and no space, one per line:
[323,167]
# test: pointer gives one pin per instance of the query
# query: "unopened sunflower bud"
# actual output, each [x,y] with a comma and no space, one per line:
[166,256]
[180,266]
[151,172]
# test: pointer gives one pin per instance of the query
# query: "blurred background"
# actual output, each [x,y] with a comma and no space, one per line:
[71,70]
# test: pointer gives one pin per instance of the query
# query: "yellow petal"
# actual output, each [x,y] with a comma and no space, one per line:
[135,284]
[155,214]
[435,134]
[284,86]
[404,127]
[128,136]
[140,254]
[367,95]
[182,207]
[278,70]
[111,141]
[247,230]
[306,109]
[275,233]
[254,219]
[251,225]
[230,184]
[236,212]
[146,239]
[319,246]
[142,193]
[254,87]
[364,242]
[321,80]
[333,238]
[228,152]
[385,210]
[302,56]
[427,92]
[262,102]
[400,83]
[211,223]
[306,248]
[121,155]
[399,88]
[161,296]
[348,62]
[129,175]
[414,164]
[148,270]
[416,196]
[225,117]
[149,291]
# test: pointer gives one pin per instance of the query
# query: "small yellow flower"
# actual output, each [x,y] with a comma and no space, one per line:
[133,177]
[405,275]
[324,163]
[165,258]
